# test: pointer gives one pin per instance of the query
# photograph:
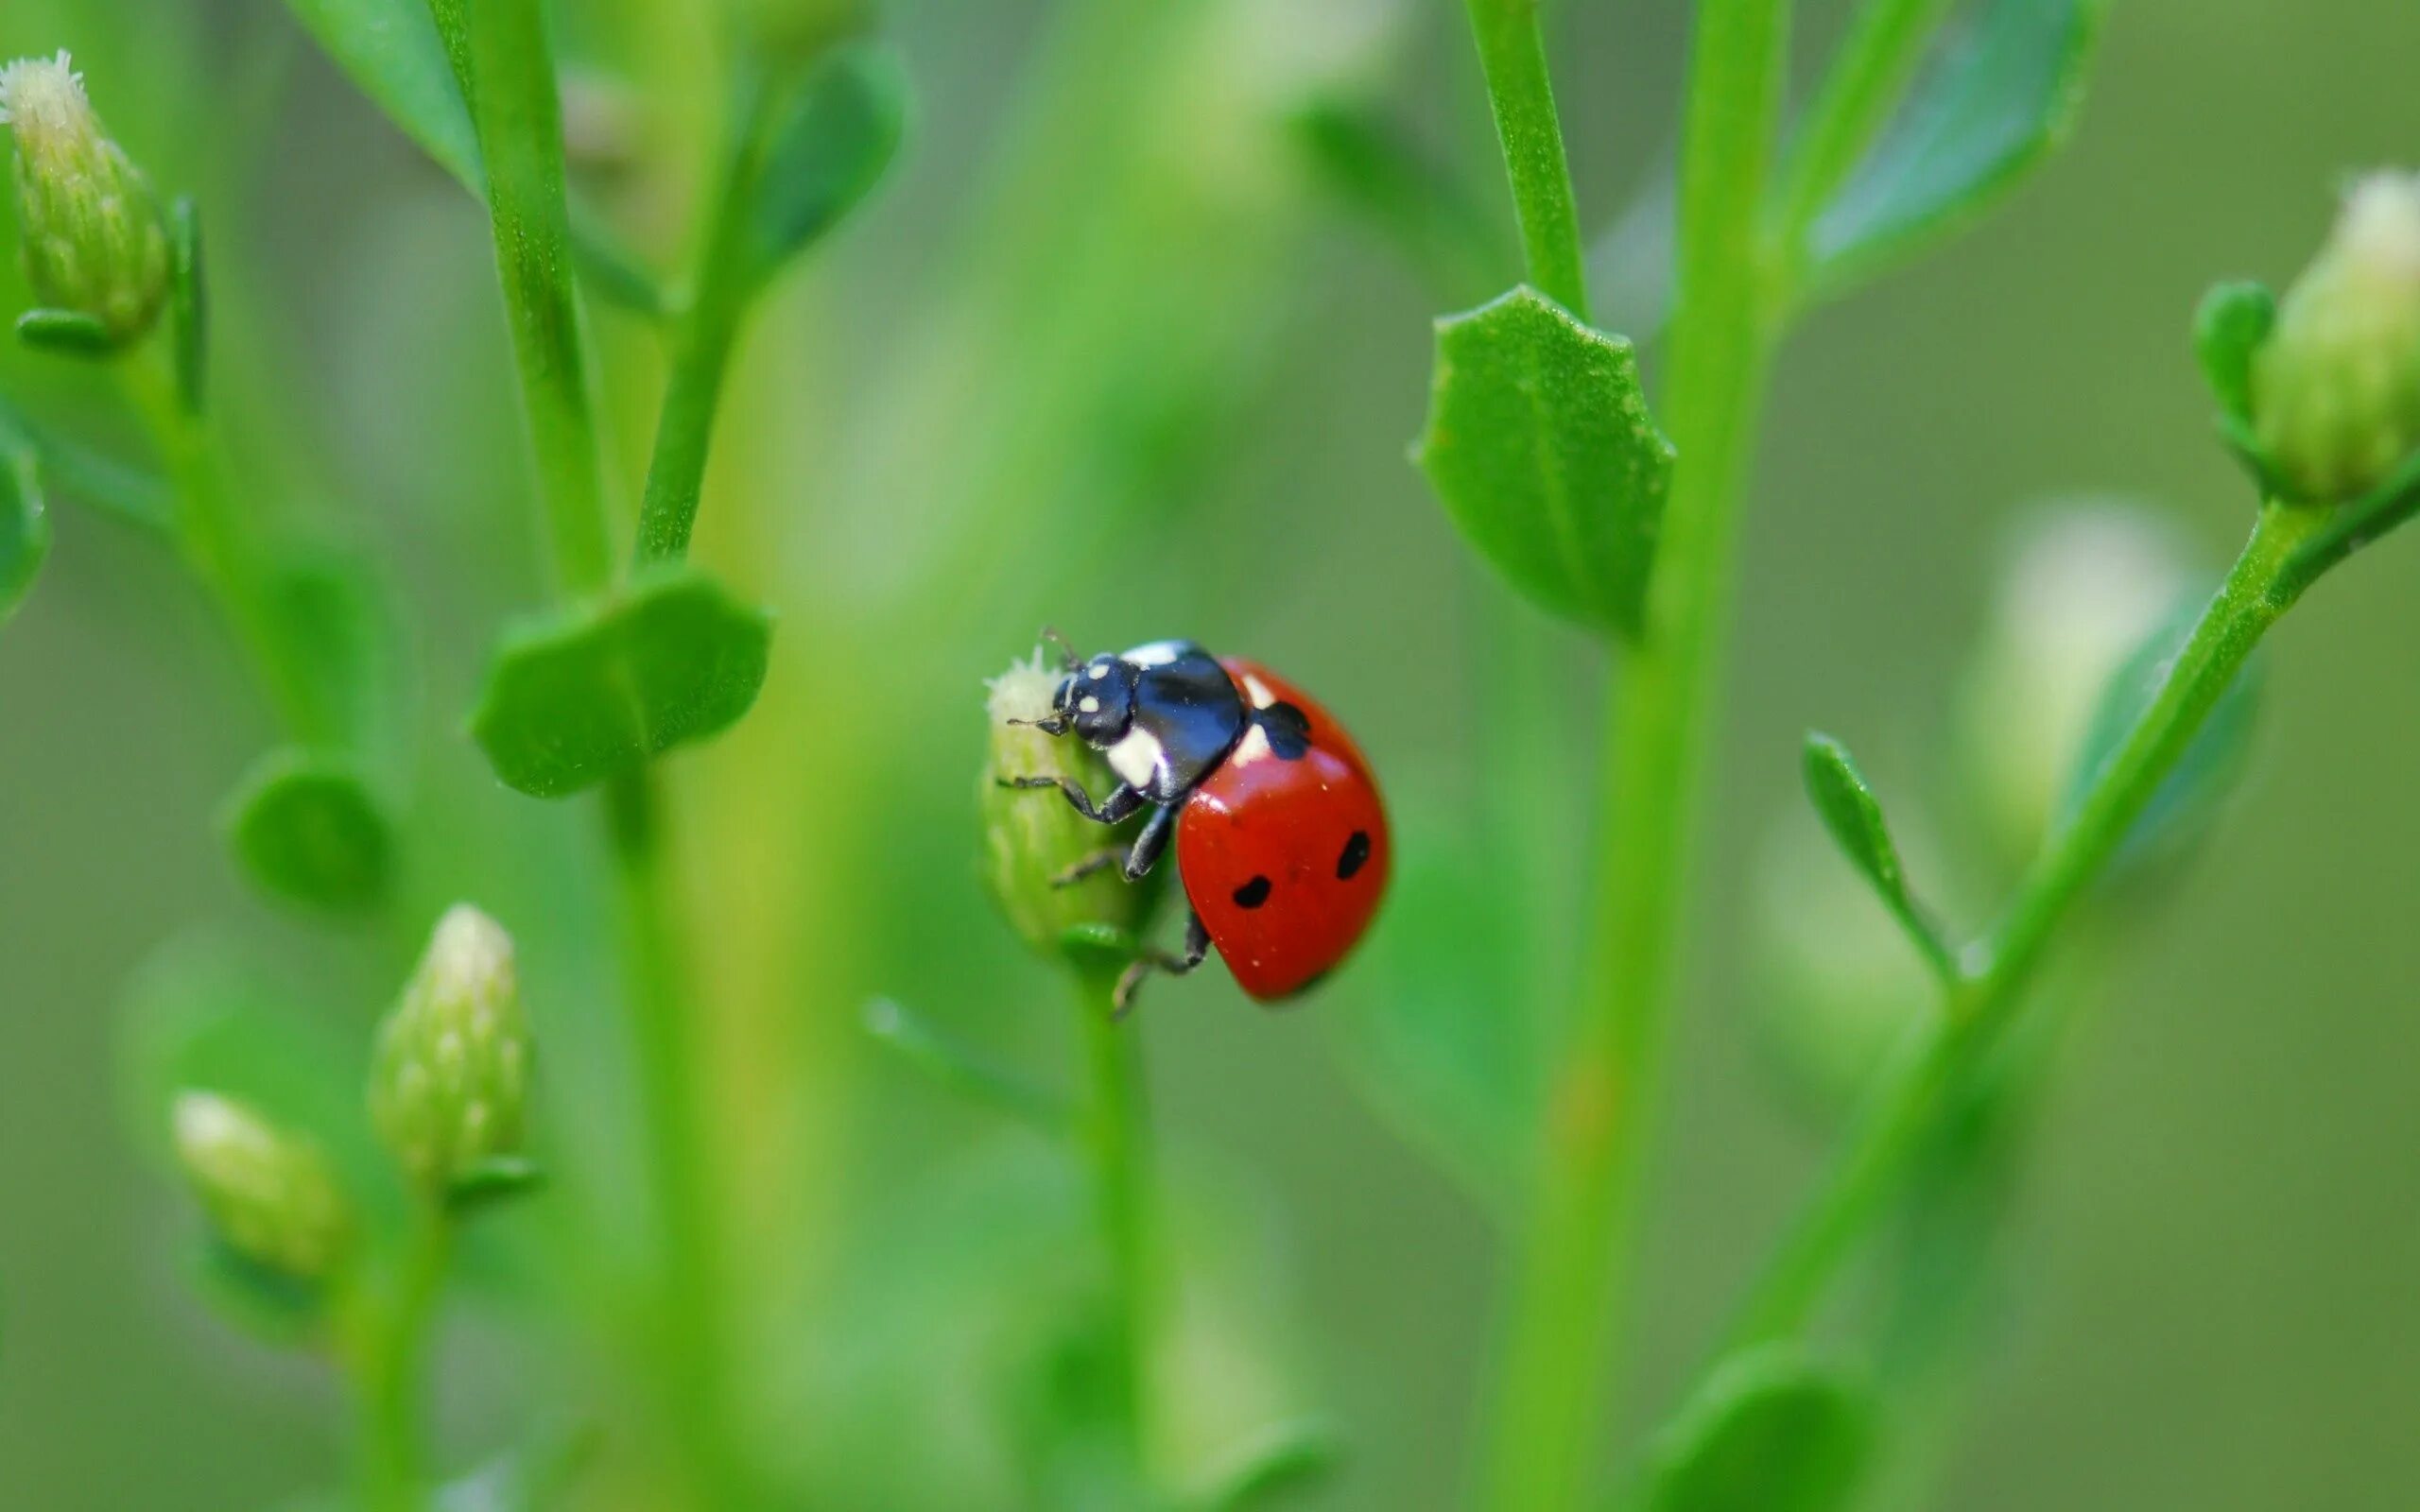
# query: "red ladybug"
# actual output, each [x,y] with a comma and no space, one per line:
[1281,836]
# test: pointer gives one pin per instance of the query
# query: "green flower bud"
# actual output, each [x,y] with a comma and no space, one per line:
[1031,837]
[269,1193]
[95,242]
[2336,389]
[451,1076]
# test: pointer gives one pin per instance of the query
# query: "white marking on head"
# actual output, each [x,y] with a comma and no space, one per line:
[1138,757]
[1155,654]
[1088,704]
[1258,692]
[1101,670]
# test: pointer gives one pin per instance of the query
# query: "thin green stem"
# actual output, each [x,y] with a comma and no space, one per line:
[1941,1052]
[677,470]
[1554,1384]
[1513,53]
[1866,80]
[1112,1130]
[388,1359]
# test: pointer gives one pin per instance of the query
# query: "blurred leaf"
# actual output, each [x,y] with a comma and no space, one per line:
[573,697]
[1372,167]
[332,615]
[303,826]
[959,1069]
[2182,808]
[823,153]
[1772,1431]
[1540,445]
[493,1182]
[2232,322]
[271,1306]
[389,50]
[1997,102]
[1289,1460]
[25,526]
[1854,817]
[135,497]
[1445,1048]
[188,304]
[67,334]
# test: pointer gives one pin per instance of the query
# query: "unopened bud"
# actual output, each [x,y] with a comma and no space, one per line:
[1031,837]
[269,1193]
[95,242]
[2336,389]
[451,1076]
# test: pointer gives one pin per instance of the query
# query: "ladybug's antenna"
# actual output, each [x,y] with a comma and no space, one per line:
[1068,657]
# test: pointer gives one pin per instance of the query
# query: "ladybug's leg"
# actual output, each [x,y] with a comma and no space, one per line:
[1196,946]
[1149,845]
[1068,657]
[1120,804]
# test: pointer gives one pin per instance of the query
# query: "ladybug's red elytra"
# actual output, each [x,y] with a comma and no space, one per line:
[1281,836]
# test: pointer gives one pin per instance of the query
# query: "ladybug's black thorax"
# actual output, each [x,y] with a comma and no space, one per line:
[1187,717]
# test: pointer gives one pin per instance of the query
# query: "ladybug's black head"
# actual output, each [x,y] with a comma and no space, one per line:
[1096,700]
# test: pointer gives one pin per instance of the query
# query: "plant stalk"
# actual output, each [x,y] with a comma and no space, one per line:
[388,1361]
[1553,1382]
[1943,1050]
[1112,1129]
[1513,53]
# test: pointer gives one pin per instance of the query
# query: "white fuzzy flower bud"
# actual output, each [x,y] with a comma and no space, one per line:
[269,1193]
[451,1076]
[95,242]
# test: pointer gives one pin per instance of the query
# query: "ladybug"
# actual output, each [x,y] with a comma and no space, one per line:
[1281,836]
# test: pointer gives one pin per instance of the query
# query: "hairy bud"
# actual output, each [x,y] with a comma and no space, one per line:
[269,1193]
[95,242]
[451,1076]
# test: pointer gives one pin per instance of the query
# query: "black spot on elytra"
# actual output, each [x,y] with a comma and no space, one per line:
[1357,855]
[1252,894]
[1288,730]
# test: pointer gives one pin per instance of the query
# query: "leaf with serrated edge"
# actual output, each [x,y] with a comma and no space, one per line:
[1540,444]
[1772,1431]
[570,699]
[1993,106]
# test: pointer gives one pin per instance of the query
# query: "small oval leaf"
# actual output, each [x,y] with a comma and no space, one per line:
[492,1182]
[823,153]
[1853,815]
[572,699]
[1540,444]
[1997,103]
[1772,1431]
[305,828]
[25,527]
[67,334]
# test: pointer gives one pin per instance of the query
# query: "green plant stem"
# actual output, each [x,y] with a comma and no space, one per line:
[215,534]
[1513,53]
[1989,992]
[1553,1383]
[1865,82]
[1110,1128]
[389,1360]
[519,121]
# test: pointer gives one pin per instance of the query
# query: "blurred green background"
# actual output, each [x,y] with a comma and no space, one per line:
[1103,353]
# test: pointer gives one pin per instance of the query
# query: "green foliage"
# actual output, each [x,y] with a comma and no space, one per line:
[492,1182]
[25,526]
[570,699]
[188,304]
[961,1070]
[391,52]
[2228,327]
[1540,444]
[1774,1431]
[304,826]
[67,334]
[1289,1462]
[1993,107]
[824,152]
[1853,815]
[270,1306]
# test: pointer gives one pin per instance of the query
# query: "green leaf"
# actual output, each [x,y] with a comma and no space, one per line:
[305,828]
[25,527]
[331,613]
[271,1306]
[1772,1431]
[572,699]
[2233,321]
[1540,444]
[67,334]
[823,153]
[391,51]
[1375,168]
[2184,803]
[1994,105]
[1850,811]
[493,1182]
[1273,1469]
[188,304]
[961,1070]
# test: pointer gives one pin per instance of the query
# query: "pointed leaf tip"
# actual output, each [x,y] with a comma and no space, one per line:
[1853,814]
[1540,445]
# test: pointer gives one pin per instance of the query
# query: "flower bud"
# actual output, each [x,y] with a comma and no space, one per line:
[269,1193]
[451,1074]
[95,242]
[1031,837]
[2086,584]
[2336,389]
